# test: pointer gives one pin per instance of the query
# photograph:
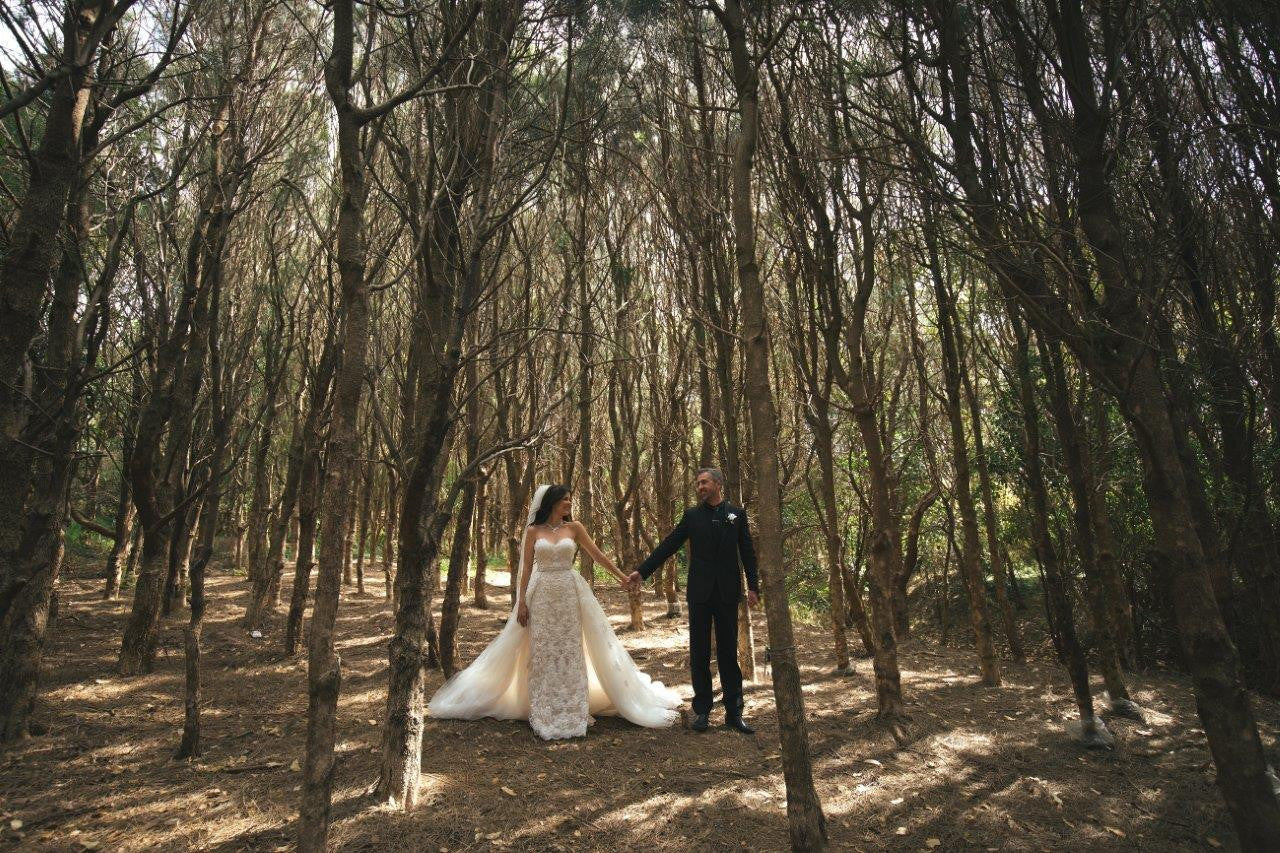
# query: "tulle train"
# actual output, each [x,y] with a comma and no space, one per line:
[496,684]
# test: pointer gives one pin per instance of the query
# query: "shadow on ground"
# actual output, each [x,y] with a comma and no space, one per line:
[986,769]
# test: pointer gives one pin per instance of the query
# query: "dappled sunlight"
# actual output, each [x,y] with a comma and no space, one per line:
[983,766]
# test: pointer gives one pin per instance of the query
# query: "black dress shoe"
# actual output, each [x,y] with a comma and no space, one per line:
[701,723]
[738,725]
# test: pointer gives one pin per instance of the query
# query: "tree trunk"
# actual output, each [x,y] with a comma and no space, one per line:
[308,506]
[36,564]
[119,548]
[459,554]
[970,550]
[460,549]
[25,612]
[362,537]
[348,526]
[1081,489]
[830,524]
[1066,643]
[32,245]
[324,667]
[180,365]
[1117,594]
[480,537]
[266,583]
[804,811]
[388,536]
[994,551]
[910,562]
[1221,699]
[586,349]
[190,747]
[260,511]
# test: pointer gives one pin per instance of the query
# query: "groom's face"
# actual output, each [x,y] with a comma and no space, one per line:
[708,488]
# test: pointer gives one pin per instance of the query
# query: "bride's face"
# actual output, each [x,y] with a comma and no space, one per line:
[562,507]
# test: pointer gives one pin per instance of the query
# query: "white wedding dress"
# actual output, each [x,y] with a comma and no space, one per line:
[565,666]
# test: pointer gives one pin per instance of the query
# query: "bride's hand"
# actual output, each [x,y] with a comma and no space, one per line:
[522,615]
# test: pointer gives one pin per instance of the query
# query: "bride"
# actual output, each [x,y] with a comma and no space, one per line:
[557,660]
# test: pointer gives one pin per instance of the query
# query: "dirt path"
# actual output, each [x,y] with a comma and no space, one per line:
[991,769]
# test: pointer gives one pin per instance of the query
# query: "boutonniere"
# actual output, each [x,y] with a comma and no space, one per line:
[733,516]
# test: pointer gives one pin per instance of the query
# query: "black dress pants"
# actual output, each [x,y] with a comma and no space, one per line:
[722,617]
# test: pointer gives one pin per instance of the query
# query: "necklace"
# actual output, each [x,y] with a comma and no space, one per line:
[554,527]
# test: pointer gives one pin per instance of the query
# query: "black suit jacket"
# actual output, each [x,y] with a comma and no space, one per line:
[716,542]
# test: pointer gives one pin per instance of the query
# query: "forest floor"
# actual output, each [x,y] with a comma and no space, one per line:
[988,769]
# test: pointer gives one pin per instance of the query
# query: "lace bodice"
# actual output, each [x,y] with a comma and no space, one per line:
[554,556]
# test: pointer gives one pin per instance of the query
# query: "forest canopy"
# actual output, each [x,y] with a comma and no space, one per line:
[975,305]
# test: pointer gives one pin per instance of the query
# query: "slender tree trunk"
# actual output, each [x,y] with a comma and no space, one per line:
[175,582]
[481,540]
[460,549]
[1066,643]
[388,536]
[362,537]
[884,557]
[324,667]
[120,547]
[994,551]
[308,506]
[459,554]
[1221,698]
[260,505]
[450,285]
[348,526]
[1108,561]
[970,550]
[804,811]
[180,366]
[190,746]
[1073,455]
[910,562]
[266,583]
[944,599]
[835,549]
[586,348]
[401,764]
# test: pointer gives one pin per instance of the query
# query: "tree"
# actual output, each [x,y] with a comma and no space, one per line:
[804,811]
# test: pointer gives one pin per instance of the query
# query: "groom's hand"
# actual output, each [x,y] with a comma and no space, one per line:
[634,580]
[753,598]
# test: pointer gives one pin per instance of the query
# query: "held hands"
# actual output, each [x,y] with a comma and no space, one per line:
[522,615]
[634,581]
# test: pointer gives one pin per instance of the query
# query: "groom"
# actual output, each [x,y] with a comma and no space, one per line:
[718,535]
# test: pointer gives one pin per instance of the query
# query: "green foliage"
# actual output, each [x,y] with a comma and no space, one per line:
[86,543]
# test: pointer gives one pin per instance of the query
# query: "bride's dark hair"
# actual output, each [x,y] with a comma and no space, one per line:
[550,498]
